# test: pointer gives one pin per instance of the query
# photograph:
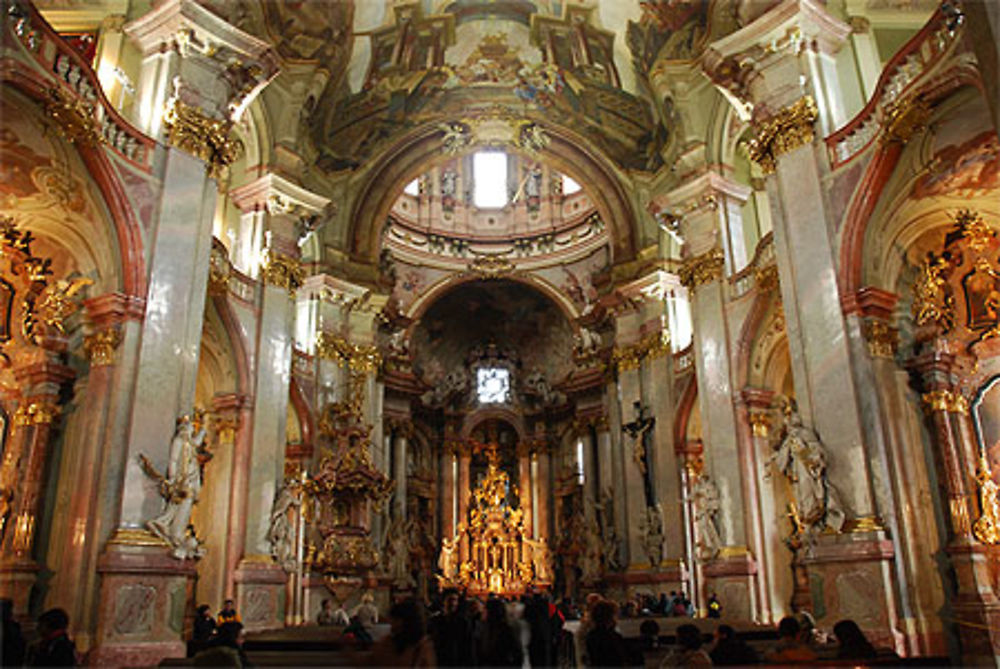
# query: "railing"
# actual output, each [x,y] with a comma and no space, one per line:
[744,281]
[900,74]
[74,76]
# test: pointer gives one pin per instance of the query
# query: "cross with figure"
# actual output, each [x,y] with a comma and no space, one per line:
[640,430]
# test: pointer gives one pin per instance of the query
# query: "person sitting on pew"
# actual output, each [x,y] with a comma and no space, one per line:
[790,648]
[730,649]
[689,652]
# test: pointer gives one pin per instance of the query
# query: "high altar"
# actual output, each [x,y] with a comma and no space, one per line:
[503,559]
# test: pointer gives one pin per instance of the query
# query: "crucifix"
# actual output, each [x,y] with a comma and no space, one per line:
[640,430]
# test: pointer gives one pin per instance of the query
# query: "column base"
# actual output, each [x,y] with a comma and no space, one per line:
[261,593]
[731,577]
[976,610]
[17,578]
[850,577]
[146,605]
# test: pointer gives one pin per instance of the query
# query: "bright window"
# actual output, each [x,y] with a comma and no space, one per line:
[489,170]
[413,188]
[570,186]
[579,462]
[493,385]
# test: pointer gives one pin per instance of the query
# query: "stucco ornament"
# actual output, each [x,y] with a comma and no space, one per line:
[180,488]
[987,528]
[801,459]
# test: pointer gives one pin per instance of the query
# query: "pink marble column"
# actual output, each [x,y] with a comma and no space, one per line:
[448,510]
[463,492]
[524,485]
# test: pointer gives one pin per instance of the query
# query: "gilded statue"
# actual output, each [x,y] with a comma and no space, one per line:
[180,488]
[987,528]
[801,458]
[931,301]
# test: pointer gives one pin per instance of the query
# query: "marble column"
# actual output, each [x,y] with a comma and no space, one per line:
[399,455]
[449,511]
[794,96]
[84,513]
[974,602]
[543,491]
[711,208]
[188,101]
[260,581]
[524,490]
[463,491]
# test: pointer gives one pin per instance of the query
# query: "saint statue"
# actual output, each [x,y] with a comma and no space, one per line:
[987,528]
[448,560]
[706,501]
[801,458]
[180,489]
[590,560]
[397,553]
[651,526]
[280,534]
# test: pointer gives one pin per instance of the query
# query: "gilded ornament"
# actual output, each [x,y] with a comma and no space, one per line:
[282,271]
[74,117]
[191,130]
[987,528]
[135,536]
[491,266]
[864,524]
[56,303]
[959,516]
[882,339]
[702,269]
[219,271]
[931,304]
[974,230]
[787,130]
[945,400]
[101,346]
[760,423]
[36,413]
[766,278]
[903,119]
[456,136]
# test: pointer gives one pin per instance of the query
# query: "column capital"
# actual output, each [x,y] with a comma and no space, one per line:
[232,65]
[113,309]
[698,207]
[278,196]
[702,269]
[755,66]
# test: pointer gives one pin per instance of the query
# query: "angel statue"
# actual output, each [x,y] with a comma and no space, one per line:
[180,489]
[801,458]
[448,560]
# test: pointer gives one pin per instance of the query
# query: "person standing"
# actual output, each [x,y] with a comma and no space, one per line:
[714,607]
[452,634]
[54,647]
[12,653]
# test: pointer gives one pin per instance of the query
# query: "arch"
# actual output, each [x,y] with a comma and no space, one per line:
[748,335]
[870,190]
[127,227]
[237,343]
[302,410]
[422,147]
[683,413]
[451,282]
[476,418]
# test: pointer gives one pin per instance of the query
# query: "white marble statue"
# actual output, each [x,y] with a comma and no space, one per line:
[180,489]
[651,526]
[587,342]
[609,538]
[396,552]
[706,500]
[448,560]
[540,559]
[281,534]
[801,458]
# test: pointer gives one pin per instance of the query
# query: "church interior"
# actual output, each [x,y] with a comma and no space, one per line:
[375,298]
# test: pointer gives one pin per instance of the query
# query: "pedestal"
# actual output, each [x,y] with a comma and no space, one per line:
[731,576]
[850,577]
[261,593]
[146,605]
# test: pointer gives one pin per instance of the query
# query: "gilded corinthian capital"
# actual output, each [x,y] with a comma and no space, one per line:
[785,131]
